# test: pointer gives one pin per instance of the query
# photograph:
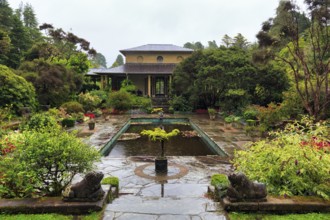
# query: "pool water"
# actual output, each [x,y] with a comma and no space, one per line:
[176,146]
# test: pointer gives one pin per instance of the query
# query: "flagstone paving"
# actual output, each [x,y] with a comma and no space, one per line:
[156,197]
[145,198]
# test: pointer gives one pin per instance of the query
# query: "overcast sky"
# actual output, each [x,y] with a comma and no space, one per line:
[111,25]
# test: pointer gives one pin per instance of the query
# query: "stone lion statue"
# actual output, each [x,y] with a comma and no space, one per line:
[87,190]
[243,189]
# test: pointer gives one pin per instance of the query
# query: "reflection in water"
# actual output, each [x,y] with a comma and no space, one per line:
[162,190]
[176,146]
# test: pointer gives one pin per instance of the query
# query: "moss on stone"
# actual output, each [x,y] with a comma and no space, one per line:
[111,180]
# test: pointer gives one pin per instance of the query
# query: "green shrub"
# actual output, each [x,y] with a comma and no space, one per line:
[211,111]
[296,161]
[68,122]
[97,112]
[51,157]
[234,100]
[121,100]
[89,101]
[292,106]
[15,91]
[230,119]
[251,122]
[72,107]
[57,113]
[39,121]
[15,179]
[142,102]
[78,116]
[111,180]
[179,103]
[128,86]
[171,110]
[250,113]
[271,115]
[6,114]
[103,95]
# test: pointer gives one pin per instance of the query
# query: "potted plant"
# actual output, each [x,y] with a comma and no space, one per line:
[91,122]
[236,122]
[159,134]
[229,120]
[212,113]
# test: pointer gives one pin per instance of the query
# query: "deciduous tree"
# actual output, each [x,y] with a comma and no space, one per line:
[307,55]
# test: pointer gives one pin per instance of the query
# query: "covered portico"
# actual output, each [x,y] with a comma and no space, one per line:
[151,80]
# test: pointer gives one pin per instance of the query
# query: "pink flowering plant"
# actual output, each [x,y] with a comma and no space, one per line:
[295,161]
[89,115]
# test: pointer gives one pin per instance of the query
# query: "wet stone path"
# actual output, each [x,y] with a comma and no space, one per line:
[143,195]
[152,198]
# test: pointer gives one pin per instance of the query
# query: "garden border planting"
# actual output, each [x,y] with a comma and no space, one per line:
[277,205]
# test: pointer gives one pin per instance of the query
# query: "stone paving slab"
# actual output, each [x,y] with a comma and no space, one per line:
[175,190]
[182,198]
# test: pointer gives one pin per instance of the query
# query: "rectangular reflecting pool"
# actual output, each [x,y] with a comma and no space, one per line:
[190,142]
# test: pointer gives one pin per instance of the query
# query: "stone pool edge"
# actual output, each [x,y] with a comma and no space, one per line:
[105,150]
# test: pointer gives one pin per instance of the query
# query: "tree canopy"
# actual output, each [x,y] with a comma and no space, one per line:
[227,78]
[302,45]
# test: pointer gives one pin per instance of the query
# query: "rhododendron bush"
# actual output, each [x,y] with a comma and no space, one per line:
[294,161]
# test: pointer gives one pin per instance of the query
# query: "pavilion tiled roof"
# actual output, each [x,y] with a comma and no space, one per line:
[136,68]
[157,48]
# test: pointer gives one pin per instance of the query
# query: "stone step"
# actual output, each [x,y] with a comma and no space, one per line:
[182,208]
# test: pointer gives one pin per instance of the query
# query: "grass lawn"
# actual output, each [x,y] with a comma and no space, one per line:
[308,216]
[92,216]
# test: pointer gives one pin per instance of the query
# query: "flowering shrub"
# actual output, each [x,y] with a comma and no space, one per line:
[296,161]
[317,144]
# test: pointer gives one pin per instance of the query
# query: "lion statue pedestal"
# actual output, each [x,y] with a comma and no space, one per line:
[242,189]
[87,190]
